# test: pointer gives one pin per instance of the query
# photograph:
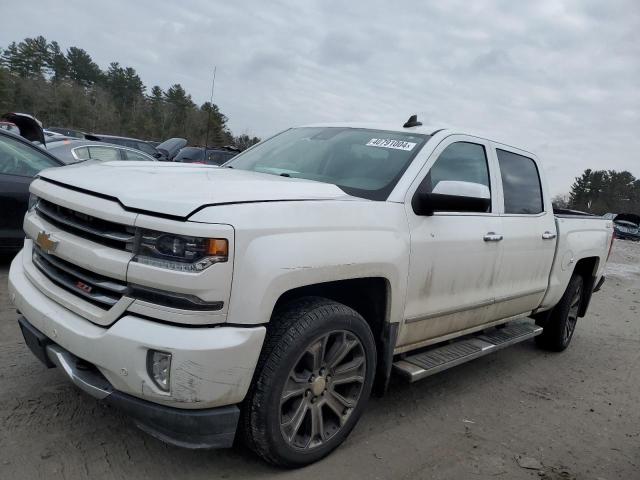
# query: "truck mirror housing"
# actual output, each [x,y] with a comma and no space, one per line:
[452,196]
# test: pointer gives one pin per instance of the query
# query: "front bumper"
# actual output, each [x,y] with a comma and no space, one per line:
[211,366]
[206,428]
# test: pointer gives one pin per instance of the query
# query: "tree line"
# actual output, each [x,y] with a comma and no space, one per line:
[603,191]
[69,89]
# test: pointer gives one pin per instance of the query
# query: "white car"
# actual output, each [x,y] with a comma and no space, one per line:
[269,298]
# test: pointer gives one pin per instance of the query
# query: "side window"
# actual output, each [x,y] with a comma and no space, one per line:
[145,147]
[216,158]
[19,159]
[462,162]
[81,153]
[131,155]
[104,153]
[520,183]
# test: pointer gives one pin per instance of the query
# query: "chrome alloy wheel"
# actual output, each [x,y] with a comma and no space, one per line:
[322,389]
[572,315]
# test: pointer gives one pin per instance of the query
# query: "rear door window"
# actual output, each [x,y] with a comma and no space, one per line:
[104,153]
[145,147]
[520,184]
[81,153]
[133,155]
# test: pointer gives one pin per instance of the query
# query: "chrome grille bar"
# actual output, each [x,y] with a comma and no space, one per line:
[84,275]
[69,281]
[57,215]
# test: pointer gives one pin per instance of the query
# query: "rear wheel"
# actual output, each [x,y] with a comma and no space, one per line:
[313,379]
[559,327]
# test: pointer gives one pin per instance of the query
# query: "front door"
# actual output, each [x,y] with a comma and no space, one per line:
[453,254]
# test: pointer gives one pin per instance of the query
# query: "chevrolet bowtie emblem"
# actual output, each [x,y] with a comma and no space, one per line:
[45,242]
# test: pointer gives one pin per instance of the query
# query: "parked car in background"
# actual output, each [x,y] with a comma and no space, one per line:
[168,149]
[134,143]
[626,230]
[9,127]
[29,127]
[68,132]
[59,138]
[49,134]
[74,151]
[20,161]
[626,225]
[209,156]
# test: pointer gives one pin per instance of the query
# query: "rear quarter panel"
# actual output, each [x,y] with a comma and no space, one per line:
[578,238]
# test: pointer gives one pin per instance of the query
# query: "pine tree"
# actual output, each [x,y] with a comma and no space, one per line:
[82,69]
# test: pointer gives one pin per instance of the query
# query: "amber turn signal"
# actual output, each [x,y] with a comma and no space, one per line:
[218,247]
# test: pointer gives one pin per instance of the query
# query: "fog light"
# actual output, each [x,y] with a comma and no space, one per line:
[159,368]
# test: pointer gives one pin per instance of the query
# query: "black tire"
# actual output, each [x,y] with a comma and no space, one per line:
[559,327]
[299,334]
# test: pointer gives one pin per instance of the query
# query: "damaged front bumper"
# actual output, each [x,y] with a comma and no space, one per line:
[203,428]
[210,373]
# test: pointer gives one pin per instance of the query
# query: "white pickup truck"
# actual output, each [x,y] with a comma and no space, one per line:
[267,299]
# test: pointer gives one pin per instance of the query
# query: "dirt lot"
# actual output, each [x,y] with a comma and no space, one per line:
[576,413]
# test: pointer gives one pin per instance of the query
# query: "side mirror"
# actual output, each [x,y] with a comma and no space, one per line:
[452,196]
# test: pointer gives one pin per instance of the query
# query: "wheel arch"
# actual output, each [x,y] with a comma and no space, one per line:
[587,268]
[371,298]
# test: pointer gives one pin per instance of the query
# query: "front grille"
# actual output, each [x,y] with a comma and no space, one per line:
[93,228]
[94,288]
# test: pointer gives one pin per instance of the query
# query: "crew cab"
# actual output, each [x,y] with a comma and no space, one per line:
[267,299]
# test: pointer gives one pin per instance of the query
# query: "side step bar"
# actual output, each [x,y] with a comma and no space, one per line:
[420,365]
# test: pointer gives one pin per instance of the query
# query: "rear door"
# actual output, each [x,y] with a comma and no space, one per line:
[529,233]
[453,257]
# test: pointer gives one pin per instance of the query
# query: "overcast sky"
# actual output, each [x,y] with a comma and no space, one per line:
[559,78]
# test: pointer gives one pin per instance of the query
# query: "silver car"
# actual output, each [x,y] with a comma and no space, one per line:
[74,151]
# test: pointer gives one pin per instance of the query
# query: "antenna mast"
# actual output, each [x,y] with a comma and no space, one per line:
[213,84]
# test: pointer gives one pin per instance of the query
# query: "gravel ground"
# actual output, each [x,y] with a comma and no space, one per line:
[569,415]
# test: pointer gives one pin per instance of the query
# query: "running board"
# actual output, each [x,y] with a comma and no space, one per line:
[420,365]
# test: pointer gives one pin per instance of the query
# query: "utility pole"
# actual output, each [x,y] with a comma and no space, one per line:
[213,84]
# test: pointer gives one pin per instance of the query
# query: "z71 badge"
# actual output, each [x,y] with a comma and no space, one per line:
[83,286]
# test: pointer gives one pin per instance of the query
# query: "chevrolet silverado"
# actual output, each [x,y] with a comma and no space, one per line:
[266,300]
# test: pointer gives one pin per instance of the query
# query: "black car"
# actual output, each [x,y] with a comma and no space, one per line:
[20,161]
[626,230]
[209,156]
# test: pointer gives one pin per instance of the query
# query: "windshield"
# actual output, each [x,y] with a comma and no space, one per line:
[364,163]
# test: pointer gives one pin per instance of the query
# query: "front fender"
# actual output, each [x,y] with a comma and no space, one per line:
[280,246]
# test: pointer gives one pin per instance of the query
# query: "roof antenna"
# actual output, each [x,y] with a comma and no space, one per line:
[412,122]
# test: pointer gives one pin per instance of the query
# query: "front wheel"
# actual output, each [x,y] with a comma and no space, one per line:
[558,329]
[312,382]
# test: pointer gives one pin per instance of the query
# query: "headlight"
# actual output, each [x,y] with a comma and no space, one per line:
[33,201]
[179,252]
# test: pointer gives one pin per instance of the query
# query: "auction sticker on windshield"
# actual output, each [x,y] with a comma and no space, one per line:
[388,143]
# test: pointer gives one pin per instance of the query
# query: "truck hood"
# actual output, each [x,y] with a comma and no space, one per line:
[178,189]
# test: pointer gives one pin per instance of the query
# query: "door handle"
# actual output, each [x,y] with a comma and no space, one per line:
[492,237]
[548,235]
